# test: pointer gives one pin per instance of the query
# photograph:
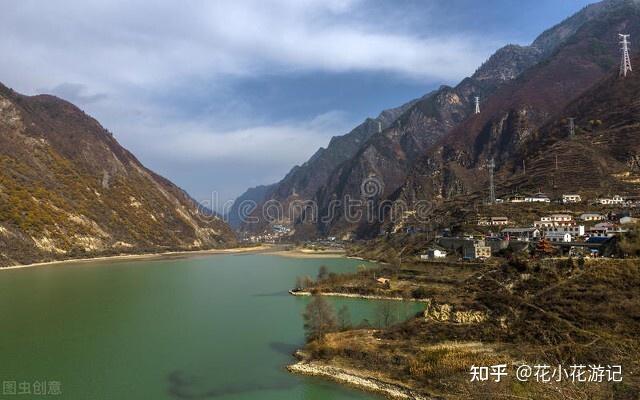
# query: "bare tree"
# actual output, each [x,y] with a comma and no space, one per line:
[319,318]
[344,318]
[386,313]
[323,272]
[307,281]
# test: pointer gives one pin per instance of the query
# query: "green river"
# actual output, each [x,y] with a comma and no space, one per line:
[196,327]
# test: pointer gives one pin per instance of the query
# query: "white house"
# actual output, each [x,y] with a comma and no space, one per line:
[573,230]
[493,221]
[603,229]
[564,237]
[571,198]
[517,199]
[523,234]
[561,217]
[591,217]
[615,201]
[433,253]
[628,220]
[554,220]
[537,198]
[476,250]
[544,224]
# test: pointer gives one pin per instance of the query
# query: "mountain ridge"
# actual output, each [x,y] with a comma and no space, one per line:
[68,189]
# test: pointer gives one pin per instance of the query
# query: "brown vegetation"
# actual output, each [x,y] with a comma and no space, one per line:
[547,311]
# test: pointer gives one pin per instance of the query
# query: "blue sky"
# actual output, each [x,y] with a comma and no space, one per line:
[222,95]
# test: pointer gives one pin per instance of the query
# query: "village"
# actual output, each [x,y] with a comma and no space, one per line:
[566,226]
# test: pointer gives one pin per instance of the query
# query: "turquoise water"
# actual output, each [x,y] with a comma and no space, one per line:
[199,327]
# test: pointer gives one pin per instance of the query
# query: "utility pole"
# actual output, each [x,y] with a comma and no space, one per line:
[477,104]
[625,63]
[572,127]
[492,188]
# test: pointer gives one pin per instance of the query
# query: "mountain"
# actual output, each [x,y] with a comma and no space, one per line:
[520,124]
[390,157]
[68,189]
[245,203]
[302,182]
[438,148]
[385,146]
[602,159]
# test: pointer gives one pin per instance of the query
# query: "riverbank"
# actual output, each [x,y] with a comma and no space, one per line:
[147,256]
[356,296]
[355,379]
[543,311]
[307,253]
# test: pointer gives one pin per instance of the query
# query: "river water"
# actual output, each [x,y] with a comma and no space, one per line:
[196,327]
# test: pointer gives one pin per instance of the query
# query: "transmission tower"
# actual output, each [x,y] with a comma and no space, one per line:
[572,127]
[625,63]
[477,104]
[492,188]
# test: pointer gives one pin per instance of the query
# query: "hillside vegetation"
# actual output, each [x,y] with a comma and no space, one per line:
[68,189]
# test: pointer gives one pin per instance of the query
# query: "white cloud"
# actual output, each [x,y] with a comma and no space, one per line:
[280,144]
[109,43]
[112,57]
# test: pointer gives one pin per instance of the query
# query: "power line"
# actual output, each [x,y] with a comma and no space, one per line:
[572,127]
[625,64]
[492,188]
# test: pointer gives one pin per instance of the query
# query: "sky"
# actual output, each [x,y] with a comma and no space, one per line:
[222,95]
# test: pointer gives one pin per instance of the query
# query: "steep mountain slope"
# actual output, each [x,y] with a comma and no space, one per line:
[302,182]
[602,159]
[519,87]
[508,131]
[305,180]
[68,189]
[244,204]
[385,146]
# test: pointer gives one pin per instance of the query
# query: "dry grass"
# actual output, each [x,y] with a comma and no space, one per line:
[547,314]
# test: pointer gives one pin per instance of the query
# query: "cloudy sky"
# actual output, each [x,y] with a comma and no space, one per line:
[221,95]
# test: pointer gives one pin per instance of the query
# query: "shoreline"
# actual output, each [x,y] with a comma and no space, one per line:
[302,253]
[357,296]
[355,379]
[144,256]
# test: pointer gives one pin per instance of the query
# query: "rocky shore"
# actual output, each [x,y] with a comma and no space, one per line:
[356,296]
[355,379]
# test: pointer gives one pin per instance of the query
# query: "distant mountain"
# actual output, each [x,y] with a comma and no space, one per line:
[68,189]
[244,204]
[437,148]
[524,124]
[303,181]
[386,146]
